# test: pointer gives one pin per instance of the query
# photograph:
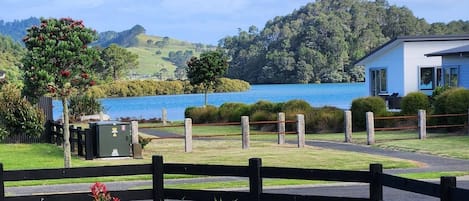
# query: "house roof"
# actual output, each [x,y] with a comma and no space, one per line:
[401,39]
[462,50]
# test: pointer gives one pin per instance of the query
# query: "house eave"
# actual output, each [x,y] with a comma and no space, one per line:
[402,39]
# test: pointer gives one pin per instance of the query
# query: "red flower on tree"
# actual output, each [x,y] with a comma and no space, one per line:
[65,73]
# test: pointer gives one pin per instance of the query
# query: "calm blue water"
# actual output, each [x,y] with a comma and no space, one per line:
[338,95]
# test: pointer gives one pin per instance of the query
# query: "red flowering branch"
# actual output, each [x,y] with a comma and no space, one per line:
[99,193]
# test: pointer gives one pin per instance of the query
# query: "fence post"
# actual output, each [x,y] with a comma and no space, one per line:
[48,131]
[370,128]
[89,144]
[348,126]
[80,141]
[281,127]
[467,121]
[300,128]
[188,135]
[255,178]
[72,138]
[158,179]
[136,146]
[2,184]
[446,183]
[164,116]
[422,115]
[245,131]
[376,186]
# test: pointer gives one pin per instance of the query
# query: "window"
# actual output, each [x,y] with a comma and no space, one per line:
[379,84]
[430,77]
[451,76]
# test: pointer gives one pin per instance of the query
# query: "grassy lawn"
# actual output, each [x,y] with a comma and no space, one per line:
[452,146]
[227,152]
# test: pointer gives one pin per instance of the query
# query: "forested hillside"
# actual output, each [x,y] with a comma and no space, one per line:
[10,54]
[17,29]
[320,41]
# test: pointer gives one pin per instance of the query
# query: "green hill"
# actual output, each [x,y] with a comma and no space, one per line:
[154,51]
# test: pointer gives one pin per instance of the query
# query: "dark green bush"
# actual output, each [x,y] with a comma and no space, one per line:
[362,105]
[263,105]
[324,120]
[294,107]
[412,102]
[452,101]
[200,115]
[232,112]
[17,115]
[80,105]
[263,115]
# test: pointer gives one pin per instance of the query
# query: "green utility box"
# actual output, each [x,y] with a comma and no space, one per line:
[112,138]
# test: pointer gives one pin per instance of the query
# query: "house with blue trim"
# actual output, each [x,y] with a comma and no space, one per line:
[416,63]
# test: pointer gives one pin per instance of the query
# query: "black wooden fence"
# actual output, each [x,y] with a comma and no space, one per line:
[81,140]
[376,179]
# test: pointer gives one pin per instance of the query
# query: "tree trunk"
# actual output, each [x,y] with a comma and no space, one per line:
[66,143]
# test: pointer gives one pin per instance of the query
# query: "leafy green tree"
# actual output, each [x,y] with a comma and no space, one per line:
[117,61]
[207,69]
[58,62]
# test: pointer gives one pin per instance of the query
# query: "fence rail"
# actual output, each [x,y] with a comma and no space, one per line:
[446,190]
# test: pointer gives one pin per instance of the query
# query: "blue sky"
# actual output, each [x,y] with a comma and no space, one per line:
[204,21]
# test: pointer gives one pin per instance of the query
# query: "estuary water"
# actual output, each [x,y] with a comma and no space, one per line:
[338,95]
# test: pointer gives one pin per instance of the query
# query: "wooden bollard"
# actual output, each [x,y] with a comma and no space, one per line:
[281,127]
[188,135]
[136,146]
[300,128]
[348,126]
[164,116]
[370,128]
[422,115]
[245,131]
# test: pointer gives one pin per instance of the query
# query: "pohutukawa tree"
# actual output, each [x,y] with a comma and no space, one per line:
[58,62]
[207,69]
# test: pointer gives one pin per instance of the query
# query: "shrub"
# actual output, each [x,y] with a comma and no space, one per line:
[325,119]
[294,107]
[412,102]
[84,105]
[199,115]
[231,85]
[262,115]
[362,105]
[17,115]
[263,105]
[452,101]
[232,112]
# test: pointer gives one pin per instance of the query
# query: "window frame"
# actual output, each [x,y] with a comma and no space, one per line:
[377,85]
[437,77]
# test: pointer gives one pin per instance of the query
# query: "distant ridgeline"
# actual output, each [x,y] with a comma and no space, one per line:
[160,58]
[320,41]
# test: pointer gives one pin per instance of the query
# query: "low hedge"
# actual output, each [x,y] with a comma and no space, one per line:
[317,120]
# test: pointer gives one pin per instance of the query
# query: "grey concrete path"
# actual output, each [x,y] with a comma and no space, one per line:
[433,163]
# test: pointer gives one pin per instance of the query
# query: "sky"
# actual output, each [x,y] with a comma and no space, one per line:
[198,21]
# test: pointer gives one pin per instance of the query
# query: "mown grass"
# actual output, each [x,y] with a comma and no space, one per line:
[224,152]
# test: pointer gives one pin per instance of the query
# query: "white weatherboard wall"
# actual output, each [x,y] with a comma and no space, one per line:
[392,60]
[414,58]
[463,63]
